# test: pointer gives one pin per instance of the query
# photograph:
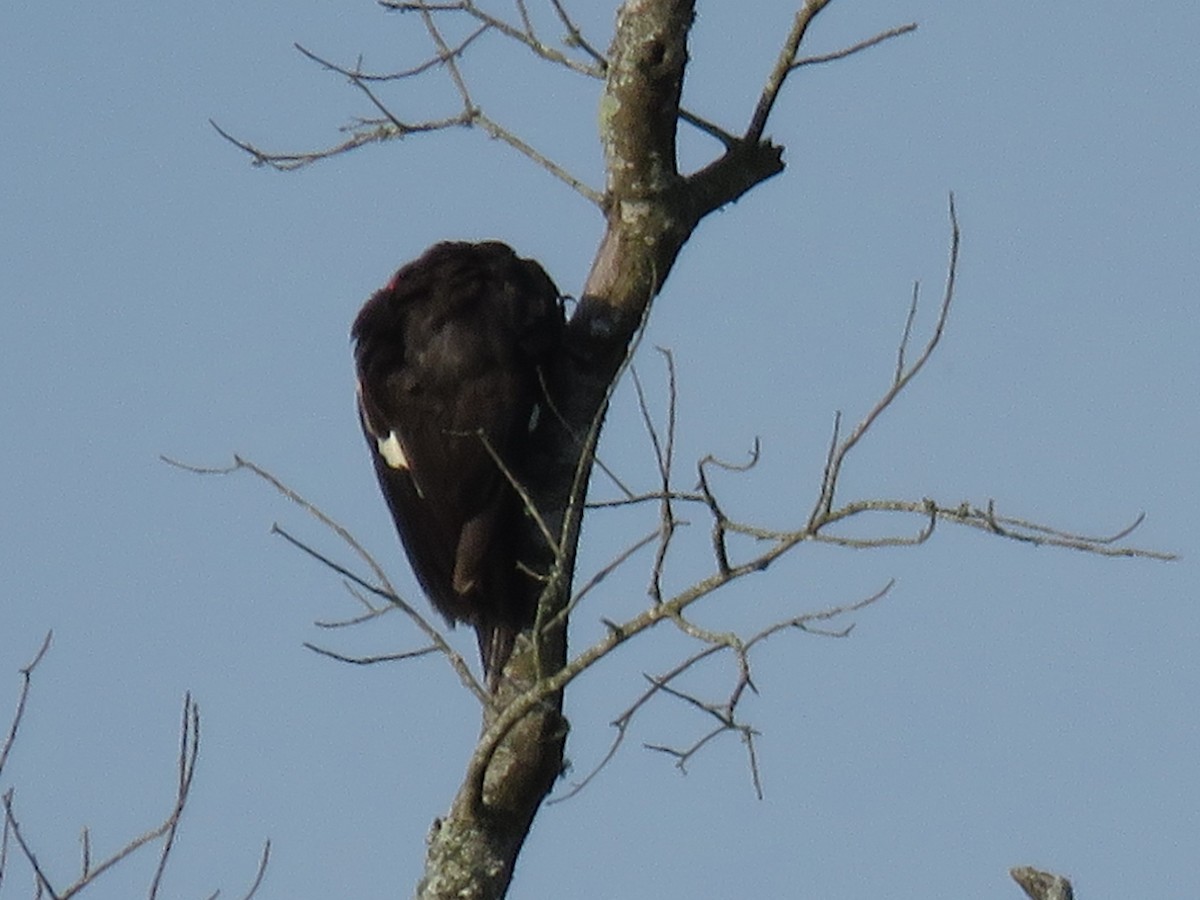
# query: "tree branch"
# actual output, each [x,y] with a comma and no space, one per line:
[903,377]
[383,588]
[22,699]
[855,48]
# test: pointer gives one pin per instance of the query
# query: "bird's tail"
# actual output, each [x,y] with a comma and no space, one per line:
[496,642]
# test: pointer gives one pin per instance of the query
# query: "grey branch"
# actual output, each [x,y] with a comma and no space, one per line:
[382,587]
[22,699]
[818,529]
[90,872]
[903,376]
[855,48]
[523,34]
[389,126]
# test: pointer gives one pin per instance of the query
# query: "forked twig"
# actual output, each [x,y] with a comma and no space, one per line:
[855,48]
[383,588]
[523,34]
[817,530]
[787,62]
[659,684]
[189,749]
[838,450]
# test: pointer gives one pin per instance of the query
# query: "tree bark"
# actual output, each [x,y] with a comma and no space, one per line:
[651,210]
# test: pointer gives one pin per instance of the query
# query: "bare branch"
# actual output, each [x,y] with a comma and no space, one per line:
[782,542]
[240,463]
[421,6]
[615,563]
[186,767]
[855,48]
[783,66]
[22,698]
[522,492]
[356,75]
[720,520]
[391,126]
[983,519]
[833,467]
[497,131]
[625,719]
[651,430]
[189,747]
[908,324]
[475,116]
[668,523]
[368,616]
[189,750]
[523,34]
[260,873]
[526,22]
[575,38]
[372,611]
[382,589]
[648,497]
[683,756]
[741,649]
[711,129]
[12,827]
[787,62]
[401,128]
[443,49]
[664,455]
[366,132]
[372,660]
[435,636]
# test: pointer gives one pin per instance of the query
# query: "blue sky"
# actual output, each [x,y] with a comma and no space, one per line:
[1005,705]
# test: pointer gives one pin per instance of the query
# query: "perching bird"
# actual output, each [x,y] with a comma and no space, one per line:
[449,359]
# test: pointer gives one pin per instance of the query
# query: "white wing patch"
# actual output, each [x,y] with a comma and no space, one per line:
[390,448]
[391,451]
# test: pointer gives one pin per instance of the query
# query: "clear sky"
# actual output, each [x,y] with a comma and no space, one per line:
[1005,705]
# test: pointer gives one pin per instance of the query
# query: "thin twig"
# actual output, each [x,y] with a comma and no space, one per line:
[260,873]
[372,660]
[374,132]
[783,66]
[908,324]
[435,636]
[825,497]
[523,34]
[611,566]
[667,521]
[356,75]
[382,589]
[855,48]
[522,491]
[316,512]
[22,698]
[189,748]
[803,622]
[575,38]
[729,139]
[186,767]
[12,827]
[501,133]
